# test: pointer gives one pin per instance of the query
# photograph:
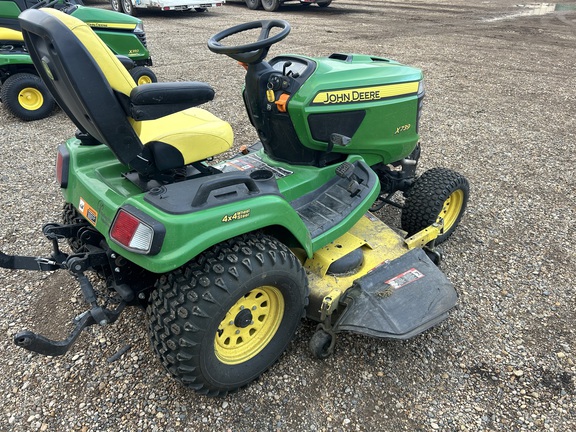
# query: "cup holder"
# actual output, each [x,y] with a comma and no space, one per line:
[262,175]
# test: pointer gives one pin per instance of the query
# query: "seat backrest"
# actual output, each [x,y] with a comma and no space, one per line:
[85,78]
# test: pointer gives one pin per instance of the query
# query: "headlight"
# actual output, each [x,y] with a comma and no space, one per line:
[421,89]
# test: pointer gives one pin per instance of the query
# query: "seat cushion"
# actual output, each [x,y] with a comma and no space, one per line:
[195,133]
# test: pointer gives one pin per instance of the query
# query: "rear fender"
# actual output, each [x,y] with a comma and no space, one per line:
[189,235]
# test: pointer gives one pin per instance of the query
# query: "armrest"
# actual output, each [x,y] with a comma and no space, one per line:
[126,61]
[155,100]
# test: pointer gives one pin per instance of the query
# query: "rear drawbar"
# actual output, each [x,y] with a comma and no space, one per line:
[76,264]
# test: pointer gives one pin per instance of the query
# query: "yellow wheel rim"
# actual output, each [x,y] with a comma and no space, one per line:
[144,79]
[451,209]
[249,325]
[30,98]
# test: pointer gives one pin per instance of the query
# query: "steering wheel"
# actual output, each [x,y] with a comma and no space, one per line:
[253,52]
[43,4]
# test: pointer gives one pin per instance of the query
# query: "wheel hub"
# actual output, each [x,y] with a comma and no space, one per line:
[243,318]
[249,325]
[30,98]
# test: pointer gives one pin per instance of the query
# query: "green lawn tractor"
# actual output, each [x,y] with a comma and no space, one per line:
[227,257]
[22,91]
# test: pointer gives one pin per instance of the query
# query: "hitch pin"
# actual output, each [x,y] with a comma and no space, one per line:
[79,317]
[45,261]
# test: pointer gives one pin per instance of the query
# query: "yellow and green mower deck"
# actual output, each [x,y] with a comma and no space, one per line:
[395,291]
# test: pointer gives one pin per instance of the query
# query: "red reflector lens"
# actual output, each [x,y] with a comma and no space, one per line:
[59,163]
[62,166]
[124,228]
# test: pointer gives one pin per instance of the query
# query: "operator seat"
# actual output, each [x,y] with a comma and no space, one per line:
[152,128]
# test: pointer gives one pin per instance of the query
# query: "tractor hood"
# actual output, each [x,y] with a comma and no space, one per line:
[372,100]
[105,19]
[358,71]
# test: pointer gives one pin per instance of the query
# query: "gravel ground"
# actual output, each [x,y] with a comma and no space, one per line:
[499,109]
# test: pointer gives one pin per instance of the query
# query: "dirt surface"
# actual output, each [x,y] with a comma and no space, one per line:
[499,108]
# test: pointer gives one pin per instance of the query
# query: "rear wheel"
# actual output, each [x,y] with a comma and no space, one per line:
[437,194]
[324,3]
[223,319]
[143,75]
[26,97]
[253,4]
[271,5]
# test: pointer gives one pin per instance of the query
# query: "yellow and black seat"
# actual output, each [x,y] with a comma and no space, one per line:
[152,128]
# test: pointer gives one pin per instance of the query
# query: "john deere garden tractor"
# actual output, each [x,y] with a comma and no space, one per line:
[21,90]
[227,257]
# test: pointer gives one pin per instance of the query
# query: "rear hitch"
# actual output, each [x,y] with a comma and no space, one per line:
[76,264]
[95,315]
[42,345]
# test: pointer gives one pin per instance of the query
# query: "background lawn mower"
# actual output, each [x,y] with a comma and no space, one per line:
[228,257]
[22,91]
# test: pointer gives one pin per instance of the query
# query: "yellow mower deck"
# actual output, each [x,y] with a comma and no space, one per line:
[393,280]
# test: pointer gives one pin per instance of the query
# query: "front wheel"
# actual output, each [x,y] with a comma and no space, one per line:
[324,3]
[271,5]
[438,193]
[224,318]
[26,97]
[143,75]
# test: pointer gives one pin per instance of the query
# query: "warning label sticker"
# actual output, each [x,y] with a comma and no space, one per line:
[251,162]
[405,278]
[88,212]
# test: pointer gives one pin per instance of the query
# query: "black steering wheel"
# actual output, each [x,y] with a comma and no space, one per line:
[253,52]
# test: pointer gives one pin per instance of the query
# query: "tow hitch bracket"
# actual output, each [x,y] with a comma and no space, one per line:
[42,345]
[76,264]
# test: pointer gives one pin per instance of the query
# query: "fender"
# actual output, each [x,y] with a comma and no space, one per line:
[206,228]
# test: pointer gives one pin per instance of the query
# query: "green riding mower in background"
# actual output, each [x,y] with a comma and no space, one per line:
[22,91]
[228,257]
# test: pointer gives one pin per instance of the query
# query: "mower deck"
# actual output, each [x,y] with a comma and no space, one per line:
[389,290]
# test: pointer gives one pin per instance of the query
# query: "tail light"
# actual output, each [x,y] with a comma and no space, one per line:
[62,165]
[137,232]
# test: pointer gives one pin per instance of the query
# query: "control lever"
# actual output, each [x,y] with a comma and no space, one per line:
[337,140]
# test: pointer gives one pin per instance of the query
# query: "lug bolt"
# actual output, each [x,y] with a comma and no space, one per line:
[237,331]
[231,323]
[254,308]
[117,269]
